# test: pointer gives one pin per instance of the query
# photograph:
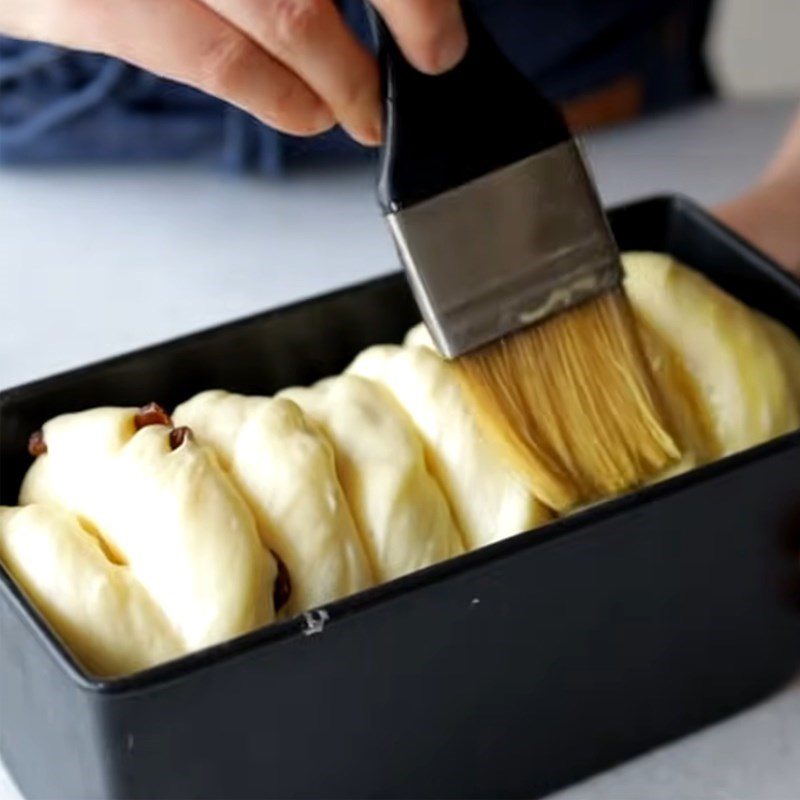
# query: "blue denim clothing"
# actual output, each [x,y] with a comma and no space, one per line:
[59,106]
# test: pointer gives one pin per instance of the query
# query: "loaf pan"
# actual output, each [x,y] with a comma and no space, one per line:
[510,671]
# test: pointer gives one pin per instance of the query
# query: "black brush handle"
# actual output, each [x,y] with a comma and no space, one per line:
[441,131]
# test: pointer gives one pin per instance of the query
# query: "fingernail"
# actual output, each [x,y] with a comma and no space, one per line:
[322,119]
[374,132]
[369,129]
[450,48]
[369,136]
[443,51]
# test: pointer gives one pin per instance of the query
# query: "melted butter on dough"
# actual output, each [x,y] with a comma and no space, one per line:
[684,408]
[284,467]
[787,349]
[725,348]
[173,516]
[686,412]
[487,500]
[729,376]
[98,608]
[400,511]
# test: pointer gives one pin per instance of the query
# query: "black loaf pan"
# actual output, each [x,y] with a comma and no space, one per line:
[510,671]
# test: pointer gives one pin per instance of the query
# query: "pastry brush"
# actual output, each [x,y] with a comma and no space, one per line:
[500,229]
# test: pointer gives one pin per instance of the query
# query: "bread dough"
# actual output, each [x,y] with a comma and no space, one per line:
[137,552]
[745,387]
[685,412]
[487,499]
[401,512]
[284,467]
[99,608]
[172,516]
[787,348]
[729,377]
[419,336]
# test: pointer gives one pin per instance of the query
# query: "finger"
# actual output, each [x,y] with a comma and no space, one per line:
[311,38]
[22,18]
[188,42]
[431,33]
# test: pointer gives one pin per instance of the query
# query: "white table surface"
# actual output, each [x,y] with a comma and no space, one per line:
[96,261]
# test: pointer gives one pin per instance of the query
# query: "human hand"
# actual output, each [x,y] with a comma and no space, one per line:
[768,214]
[294,64]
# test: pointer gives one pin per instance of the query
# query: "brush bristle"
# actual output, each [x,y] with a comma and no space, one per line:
[573,402]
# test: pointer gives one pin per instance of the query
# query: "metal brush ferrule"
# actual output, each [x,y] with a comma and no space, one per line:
[507,250]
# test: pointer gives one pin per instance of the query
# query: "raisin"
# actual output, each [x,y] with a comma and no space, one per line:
[151,414]
[36,444]
[283,584]
[178,436]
